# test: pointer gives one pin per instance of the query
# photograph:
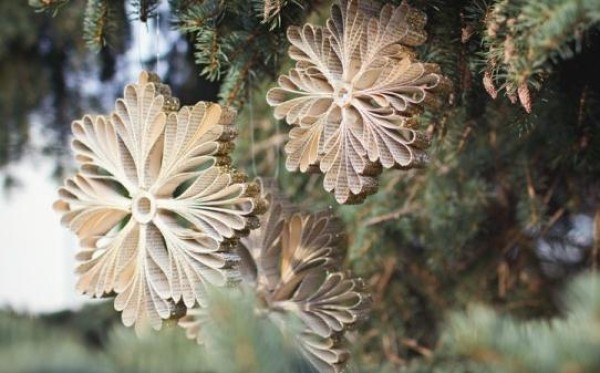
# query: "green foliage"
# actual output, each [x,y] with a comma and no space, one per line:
[234,44]
[238,43]
[32,74]
[269,11]
[480,340]
[237,341]
[166,351]
[47,5]
[102,22]
[145,8]
[524,38]
[26,346]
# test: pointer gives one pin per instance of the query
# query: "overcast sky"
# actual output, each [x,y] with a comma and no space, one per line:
[36,252]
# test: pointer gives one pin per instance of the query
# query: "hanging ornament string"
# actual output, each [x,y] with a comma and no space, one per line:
[278,147]
[277,151]
[156,42]
[252,147]
[147,39]
[138,41]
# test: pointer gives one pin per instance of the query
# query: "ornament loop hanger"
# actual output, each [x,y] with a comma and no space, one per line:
[142,40]
[253,146]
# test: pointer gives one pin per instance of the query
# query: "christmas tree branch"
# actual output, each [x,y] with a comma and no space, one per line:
[522,39]
[504,344]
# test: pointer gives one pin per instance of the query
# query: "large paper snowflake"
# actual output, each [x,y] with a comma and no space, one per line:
[353,94]
[155,205]
[292,263]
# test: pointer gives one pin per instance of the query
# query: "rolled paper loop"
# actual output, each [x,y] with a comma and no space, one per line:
[421,140]
[171,104]
[371,169]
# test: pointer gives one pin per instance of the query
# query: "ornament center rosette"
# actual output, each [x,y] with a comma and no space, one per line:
[343,95]
[156,205]
[143,207]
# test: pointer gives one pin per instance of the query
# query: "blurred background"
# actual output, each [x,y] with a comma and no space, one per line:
[49,77]
[505,216]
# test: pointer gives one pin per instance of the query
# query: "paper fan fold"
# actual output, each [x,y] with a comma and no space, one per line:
[353,95]
[155,204]
[292,263]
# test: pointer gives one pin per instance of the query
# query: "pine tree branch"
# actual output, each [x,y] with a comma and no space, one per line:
[145,8]
[501,344]
[522,39]
[52,6]
[104,23]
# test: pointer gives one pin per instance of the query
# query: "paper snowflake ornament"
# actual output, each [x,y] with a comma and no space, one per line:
[155,205]
[293,265]
[353,96]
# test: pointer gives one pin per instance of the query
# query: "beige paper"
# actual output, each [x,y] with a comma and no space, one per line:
[352,95]
[293,263]
[155,204]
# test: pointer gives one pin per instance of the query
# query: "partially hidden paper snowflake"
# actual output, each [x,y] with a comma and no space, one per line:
[292,262]
[155,205]
[353,96]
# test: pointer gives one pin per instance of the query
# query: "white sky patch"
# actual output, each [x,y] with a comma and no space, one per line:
[36,253]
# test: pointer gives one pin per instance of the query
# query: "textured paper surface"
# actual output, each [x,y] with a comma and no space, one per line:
[155,204]
[293,262]
[352,94]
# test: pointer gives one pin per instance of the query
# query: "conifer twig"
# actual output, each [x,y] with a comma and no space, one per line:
[391,215]
[415,346]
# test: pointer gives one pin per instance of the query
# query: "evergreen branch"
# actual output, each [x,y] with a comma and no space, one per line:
[194,18]
[236,82]
[103,23]
[52,6]
[201,20]
[523,38]
[502,344]
[232,42]
[209,53]
[269,11]
[95,24]
[145,8]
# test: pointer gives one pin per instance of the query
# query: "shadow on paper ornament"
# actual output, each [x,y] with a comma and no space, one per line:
[155,204]
[292,265]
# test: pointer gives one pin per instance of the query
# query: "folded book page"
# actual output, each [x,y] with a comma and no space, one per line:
[353,95]
[155,204]
[293,265]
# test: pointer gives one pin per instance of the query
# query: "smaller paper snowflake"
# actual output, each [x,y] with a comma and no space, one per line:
[155,205]
[292,263]
[353,95]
